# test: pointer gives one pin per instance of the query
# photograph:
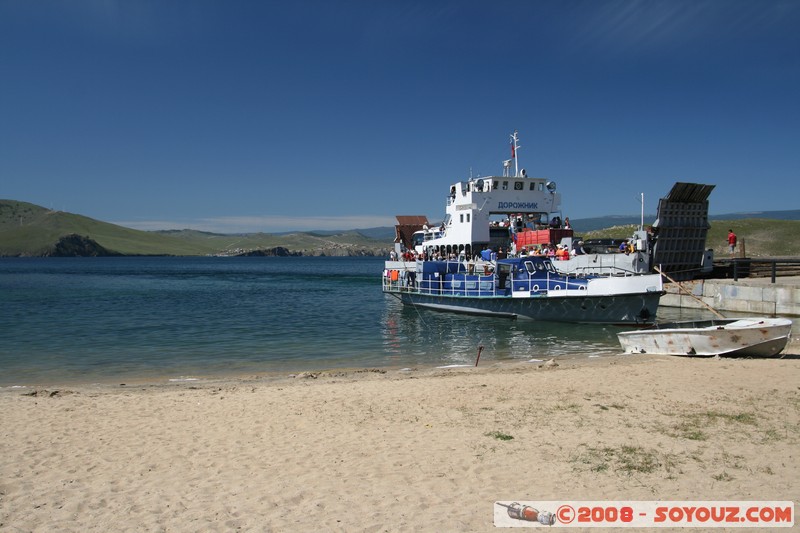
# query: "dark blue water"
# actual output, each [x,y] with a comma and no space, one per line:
[118,319]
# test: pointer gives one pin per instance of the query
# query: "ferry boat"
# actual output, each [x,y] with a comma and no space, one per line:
[477,260]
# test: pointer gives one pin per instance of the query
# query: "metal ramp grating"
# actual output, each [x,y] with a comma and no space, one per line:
[681,229]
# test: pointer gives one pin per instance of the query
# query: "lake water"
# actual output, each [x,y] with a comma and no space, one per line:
[144,318]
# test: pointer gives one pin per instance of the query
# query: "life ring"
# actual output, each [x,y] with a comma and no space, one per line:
[535,288]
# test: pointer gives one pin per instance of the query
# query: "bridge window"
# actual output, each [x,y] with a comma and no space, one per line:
[505,185]
[532,267]
[518,185]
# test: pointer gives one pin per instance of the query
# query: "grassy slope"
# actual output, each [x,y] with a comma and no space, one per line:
[761,237]
[30,230]
[27,229]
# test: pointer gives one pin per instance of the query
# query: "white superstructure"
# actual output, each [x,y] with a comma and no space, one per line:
[487,211]
[516,213]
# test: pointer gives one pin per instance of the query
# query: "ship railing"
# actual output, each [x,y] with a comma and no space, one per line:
[400,283]
[398,275]
[435,234]
[484,286]
[746,267]
[606,264]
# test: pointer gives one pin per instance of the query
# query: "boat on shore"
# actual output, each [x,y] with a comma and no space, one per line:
[736,337]
[481,259]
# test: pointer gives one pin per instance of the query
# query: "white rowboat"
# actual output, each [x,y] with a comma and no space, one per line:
[741,337]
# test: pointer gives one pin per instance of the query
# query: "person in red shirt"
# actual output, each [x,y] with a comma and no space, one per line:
[731,241]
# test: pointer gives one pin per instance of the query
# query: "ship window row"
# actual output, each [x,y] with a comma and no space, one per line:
[519,185]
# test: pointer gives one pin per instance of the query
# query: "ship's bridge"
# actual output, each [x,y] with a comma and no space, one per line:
[519,188]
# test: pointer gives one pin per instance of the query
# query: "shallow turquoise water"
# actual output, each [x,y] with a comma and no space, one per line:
[117,319]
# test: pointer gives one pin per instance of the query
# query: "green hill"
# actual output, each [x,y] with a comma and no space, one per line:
[30,230]
[760,237]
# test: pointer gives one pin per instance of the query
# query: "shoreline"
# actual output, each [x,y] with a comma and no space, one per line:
[255,375]
[373,450]
[270,378]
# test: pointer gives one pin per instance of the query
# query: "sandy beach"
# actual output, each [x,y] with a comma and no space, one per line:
[397,450]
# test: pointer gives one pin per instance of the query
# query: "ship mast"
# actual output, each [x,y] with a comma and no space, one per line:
[641,226]
[514,148]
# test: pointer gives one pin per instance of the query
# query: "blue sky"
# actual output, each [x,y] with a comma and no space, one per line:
[236,116]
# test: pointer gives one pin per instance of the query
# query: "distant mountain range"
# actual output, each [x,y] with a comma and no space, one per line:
[30,230]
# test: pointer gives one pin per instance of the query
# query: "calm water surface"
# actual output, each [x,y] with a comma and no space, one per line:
[112,319]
